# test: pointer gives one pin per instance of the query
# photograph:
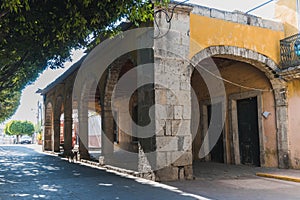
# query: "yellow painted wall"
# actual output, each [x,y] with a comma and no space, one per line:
[251,77]
[294,122]
[205,32]
[285,11]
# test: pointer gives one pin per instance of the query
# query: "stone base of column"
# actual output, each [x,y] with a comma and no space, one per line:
[47,145]
[57,148]
[173,173]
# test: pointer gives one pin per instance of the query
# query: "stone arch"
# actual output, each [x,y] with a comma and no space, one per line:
[58,110]
[271,70]
[113,73]
[87,101]
[48,130]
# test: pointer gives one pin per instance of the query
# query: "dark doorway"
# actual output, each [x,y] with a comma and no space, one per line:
[217,153]
[248,131]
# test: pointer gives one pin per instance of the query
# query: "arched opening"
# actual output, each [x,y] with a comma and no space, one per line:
[87,123]
[58,136]
[249,134]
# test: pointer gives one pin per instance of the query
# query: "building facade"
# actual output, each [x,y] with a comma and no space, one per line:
[208,85]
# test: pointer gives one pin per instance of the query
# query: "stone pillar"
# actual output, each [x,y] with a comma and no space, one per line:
[282,127]
[68,123]
[83,132]
[48,131]
[47,146]
[56,135]
[172,73]
[107,136]
[145,114]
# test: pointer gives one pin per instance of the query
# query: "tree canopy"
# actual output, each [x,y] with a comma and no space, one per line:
[17,127]
[36,34]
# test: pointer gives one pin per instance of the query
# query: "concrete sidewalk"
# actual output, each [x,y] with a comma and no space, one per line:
[236,182]
[212,171]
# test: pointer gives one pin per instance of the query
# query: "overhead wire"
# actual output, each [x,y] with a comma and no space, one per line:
[259,6]
[233,83]
[168,18]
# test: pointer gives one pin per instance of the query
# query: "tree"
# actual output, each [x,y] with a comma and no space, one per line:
[9,103]
[27,128]
[36,34]
[17,127]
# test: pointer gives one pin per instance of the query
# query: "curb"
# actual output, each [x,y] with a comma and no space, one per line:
[280,177]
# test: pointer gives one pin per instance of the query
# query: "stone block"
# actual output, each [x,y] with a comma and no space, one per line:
[182,158]
[187,112]
[187,142]
[163,127]
[185,86]
[188,172]
[160,127]
[174,84]
[181,173]
[242,18]
[178,110]
[214,13]
[168,129]
[272,25]
[181,127]
[175,126]
[183,97]
[167,143]
[229,16]
[161,160]
[160,112]
[160,80]
[203,11]
[171,97]
[169,111]
[161,96]
[167,174]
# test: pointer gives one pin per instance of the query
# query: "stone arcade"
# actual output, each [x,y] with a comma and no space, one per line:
[259,112]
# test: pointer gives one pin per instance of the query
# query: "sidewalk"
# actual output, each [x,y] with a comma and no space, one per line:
[212,171]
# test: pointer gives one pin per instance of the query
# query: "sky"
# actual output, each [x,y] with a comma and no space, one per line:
[29,99]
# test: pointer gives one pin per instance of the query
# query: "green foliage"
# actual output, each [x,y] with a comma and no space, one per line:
[9,103]
[17,127]
[36,34]
[28,128]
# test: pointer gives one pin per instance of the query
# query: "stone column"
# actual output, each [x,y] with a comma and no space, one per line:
[107,136]
[47,146]
[48,131]
[282,127]
[68,123]
[172,73]
[56,135]
[83,132]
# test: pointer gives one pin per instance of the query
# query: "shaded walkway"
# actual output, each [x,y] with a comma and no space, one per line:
[28,174]
[235,182]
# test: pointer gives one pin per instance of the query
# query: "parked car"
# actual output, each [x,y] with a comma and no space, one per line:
[25,139]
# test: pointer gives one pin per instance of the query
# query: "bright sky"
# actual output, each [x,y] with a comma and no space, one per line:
[28,107]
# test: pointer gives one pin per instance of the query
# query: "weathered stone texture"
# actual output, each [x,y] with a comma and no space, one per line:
[237,17]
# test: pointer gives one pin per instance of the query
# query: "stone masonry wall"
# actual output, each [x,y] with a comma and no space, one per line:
[237,17]
[172,96]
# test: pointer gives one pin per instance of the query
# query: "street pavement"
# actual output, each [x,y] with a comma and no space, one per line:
[27,173]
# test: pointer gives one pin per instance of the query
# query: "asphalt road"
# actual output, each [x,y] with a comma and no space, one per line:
[28,174]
